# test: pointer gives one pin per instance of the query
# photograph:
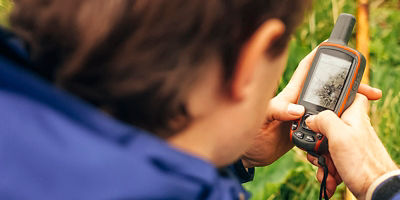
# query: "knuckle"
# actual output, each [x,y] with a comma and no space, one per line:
[305,62]
[366,118]
[335,143]
[302,62]
[326,114]
[362,98]
[272,105]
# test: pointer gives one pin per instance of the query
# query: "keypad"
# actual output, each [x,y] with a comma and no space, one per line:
[299,134]
[309,138]
[295,125]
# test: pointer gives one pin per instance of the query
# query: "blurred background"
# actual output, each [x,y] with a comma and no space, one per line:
[292,177]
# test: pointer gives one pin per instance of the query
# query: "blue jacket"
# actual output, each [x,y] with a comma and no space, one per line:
[55,146]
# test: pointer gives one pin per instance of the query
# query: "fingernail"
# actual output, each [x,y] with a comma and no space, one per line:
[295,109]
[377,90]
[315,162]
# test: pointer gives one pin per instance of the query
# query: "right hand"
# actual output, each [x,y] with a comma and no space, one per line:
[358,155]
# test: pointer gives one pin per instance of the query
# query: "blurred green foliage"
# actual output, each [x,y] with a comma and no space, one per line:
[5,8]
[291,177]
[385,72]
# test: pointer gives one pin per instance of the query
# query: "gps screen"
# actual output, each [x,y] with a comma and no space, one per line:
[327,81]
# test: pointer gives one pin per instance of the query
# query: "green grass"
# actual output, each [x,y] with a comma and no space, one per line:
[292,177]
[385,73]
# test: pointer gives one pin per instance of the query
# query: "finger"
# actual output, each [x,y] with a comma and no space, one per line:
[328,161]
[332,169]
[313,160]
[370,92]
[331,190]
[327,123]
[293,88]
[330,182]
[338,179]
[330,165]
[357,113]
[359,104]
[279,109]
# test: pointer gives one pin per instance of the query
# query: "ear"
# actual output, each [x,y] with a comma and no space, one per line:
[251,54]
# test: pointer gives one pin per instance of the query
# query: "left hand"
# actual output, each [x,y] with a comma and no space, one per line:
[273,139]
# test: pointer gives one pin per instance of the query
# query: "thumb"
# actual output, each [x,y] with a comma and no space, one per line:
[326,123]
[279,109]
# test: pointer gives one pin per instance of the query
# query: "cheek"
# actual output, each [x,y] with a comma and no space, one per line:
[271,78]
[268,78]
[278,70]
[274,73]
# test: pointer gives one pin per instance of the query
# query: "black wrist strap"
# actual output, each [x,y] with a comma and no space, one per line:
[241,172]
[322,163]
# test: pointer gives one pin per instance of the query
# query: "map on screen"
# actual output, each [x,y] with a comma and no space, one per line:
[327,81]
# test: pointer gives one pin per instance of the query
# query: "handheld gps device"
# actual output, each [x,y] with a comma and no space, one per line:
[331,84]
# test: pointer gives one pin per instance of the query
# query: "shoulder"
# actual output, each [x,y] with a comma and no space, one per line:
[49,155]
[55,146]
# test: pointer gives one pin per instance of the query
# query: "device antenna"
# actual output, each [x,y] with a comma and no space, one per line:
[341,33]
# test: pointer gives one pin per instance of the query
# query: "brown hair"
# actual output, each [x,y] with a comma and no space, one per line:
[137,58]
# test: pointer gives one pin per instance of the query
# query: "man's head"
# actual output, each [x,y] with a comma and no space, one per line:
[165,66]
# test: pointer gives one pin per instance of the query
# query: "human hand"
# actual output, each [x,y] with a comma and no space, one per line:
[273,139]
[334,179]
[357,156]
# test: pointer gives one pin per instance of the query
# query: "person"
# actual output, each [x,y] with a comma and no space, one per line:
[135,99]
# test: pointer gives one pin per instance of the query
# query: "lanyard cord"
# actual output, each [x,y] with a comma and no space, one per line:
[322,163]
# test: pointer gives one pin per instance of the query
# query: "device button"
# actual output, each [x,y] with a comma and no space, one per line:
[299,135]
[309,138]
[319,136]
[295,124]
